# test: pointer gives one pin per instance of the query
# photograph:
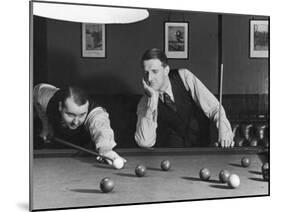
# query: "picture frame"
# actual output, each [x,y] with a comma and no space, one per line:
[259,39]
[176,40]
[93,40]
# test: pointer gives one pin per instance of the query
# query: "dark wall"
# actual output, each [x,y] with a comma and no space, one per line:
[58,53]
[120,71]
[242,74]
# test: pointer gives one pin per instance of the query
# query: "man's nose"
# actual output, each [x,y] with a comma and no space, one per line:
[76,120]
[149,77]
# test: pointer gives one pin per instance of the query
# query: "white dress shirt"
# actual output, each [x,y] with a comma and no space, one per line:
[168,91]
[145,134]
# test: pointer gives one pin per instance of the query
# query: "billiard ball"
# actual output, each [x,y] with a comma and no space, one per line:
[165,165]
[265,171]
[265,142]
[254,142]
[216,144]
[118,163]
[205,174]
[224,175]
[239,142]
[265,174]
[245,162]
[106,185]
[140,170]
[233,181]
[264,166]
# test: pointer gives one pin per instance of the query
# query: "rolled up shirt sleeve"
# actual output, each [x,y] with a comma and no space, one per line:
[145,134]
[98,125]
[206,101]
[42,93]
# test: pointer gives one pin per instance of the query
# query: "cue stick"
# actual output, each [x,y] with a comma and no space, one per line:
[220,99]
[80,148]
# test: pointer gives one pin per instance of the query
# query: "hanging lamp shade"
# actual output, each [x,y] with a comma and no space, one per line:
[88,13]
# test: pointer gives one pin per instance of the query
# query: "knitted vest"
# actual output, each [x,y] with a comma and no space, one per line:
[186,127]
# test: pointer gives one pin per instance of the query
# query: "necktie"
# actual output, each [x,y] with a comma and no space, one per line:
[168,101]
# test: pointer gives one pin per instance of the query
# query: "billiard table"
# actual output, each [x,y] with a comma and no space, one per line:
[70,179]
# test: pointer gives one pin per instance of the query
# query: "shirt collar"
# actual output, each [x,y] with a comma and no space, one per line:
[168,91]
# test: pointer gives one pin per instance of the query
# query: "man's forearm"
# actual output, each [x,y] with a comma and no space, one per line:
[225,127]
[145,135]
[98,125]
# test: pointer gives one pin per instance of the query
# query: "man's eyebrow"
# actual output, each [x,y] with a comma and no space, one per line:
[70,113]
[76,114]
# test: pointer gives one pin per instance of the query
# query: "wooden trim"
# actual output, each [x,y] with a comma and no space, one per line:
[155,151]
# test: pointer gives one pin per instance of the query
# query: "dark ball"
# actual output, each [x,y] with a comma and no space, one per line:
[205,174]
[165,165]
[224,175]
[254,142]
[106,185]
[265,142]
[265,174]
[239,142]
[140,170]
[216,144]
[265,166]
[265,171]
[245,162]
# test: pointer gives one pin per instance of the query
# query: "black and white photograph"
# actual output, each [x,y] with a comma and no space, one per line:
[132,105]
[259,38]
[93,40]
[176,40]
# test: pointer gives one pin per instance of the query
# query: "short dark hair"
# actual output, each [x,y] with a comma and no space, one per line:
[155,54]
[80,96]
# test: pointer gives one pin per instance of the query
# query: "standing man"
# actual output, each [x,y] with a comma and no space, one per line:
[70,114]
[177,107]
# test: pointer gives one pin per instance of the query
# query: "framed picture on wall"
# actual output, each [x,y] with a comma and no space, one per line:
[259,38]
[93,40]
[176,40]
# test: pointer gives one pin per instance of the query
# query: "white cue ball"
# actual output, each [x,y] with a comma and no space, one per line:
[118,163]
[233,181]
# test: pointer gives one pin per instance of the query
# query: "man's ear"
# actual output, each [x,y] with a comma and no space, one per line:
[167,70]
[60,106]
